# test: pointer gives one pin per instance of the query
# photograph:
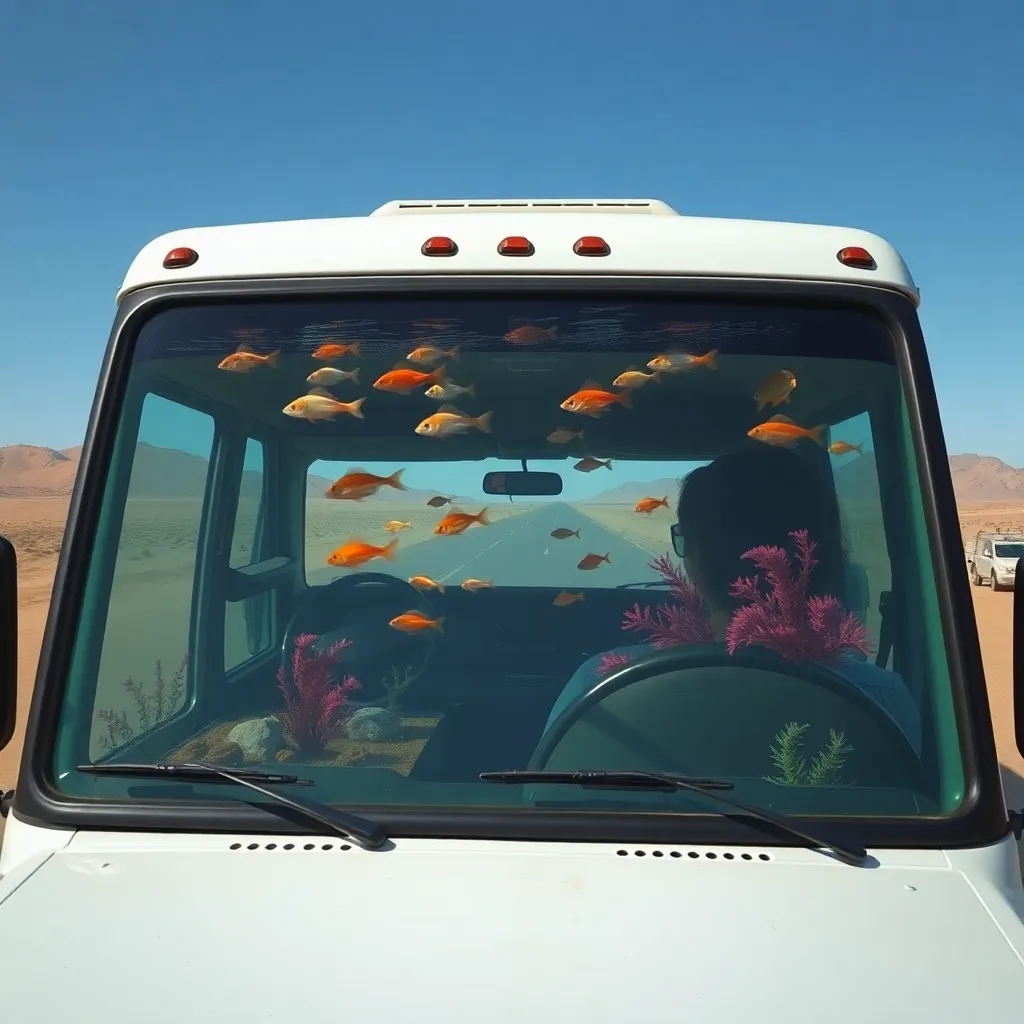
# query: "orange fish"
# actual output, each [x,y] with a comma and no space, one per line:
[588,465]
[650,504]
[842,448]
[774,389]
[427,354]
[567,597]
[438,500]
[590,400]
[402,381]
[563,435]
[458,521]
[396,524]
[320,404]
[677,362]
[592,561]
[634,378]
[354,553]
[335,350]
[357,484]
[781,430]
[563,531]
[472,584]
[244,360]
[530,334]
[426,583]
[416,622]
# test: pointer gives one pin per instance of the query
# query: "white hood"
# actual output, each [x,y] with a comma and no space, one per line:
[184,930]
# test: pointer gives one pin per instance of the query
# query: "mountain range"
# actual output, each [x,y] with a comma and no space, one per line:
[27,471]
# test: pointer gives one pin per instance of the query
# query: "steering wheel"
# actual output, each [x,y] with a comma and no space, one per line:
[697,656]
[358,608]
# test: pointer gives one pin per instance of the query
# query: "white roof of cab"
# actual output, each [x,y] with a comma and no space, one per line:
[646,237]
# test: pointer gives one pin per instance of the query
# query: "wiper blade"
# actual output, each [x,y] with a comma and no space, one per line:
[665,781]
[847,851]
[642,583]
[366,834]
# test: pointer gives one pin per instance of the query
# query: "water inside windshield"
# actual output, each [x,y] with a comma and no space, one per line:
[299,560]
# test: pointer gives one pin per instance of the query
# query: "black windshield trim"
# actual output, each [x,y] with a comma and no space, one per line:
[982,817]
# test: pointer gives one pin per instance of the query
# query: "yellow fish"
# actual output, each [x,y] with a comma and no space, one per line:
[322,405]
[633,378]
[472,584]
[449,421]
[395,525]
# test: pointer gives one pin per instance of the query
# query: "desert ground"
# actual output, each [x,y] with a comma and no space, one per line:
[158,545]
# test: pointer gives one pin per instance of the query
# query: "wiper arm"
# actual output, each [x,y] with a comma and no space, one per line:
[847,851]
[366,834]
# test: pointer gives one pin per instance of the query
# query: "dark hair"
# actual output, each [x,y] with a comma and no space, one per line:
[759,496]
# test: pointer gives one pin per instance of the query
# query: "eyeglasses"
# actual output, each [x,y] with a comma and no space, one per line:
[677,539]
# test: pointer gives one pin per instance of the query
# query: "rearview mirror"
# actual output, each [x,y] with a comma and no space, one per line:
[1018,655]
[8,640]
[524,482]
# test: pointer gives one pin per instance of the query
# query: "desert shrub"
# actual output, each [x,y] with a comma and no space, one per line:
[154,702]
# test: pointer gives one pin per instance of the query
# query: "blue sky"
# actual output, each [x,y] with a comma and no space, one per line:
[121,120]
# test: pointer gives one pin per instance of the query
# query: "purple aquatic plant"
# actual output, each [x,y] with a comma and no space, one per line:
[787,621]
[669,625]
[314,705]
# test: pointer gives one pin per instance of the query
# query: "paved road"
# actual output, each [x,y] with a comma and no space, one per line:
[520,551]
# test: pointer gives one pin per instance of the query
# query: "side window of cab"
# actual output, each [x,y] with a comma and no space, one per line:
[248,621]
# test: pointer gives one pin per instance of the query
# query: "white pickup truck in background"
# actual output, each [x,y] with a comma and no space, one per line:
[993,559]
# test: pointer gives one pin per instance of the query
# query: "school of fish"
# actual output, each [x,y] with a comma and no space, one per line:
[592,400]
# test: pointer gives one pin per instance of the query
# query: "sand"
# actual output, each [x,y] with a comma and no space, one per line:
[36,526]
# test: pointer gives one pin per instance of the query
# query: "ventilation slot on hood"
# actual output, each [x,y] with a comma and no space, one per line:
[697,854]
[290,846]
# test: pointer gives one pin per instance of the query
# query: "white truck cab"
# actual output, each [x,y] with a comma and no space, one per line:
[994,557]
[511,611]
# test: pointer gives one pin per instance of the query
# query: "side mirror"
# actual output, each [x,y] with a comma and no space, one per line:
[1018,655]
[8,640]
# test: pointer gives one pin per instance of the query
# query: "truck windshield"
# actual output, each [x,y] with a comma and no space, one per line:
[1010,550]
[325,542]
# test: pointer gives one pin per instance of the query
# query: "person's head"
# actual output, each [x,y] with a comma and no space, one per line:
[752,497]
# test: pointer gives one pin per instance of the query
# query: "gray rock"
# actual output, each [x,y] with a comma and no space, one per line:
[259,738]
[373,725]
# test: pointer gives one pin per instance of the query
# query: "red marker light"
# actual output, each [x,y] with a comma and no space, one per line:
[181,257]
[855,256]
[591,245]
[439,246]
[515,245]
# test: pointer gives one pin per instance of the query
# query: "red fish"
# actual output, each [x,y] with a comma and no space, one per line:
[650,504]
[592,561]
[591,400]
[403,381]
[530,334]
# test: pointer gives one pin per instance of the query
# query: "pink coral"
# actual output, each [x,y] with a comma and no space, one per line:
[787,621]
[314,704]
[669,625]
[611,661]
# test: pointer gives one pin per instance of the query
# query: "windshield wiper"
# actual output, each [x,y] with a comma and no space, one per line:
[848,852]
[642,583]
[366,834]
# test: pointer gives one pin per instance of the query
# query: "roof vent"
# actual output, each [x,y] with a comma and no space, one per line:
[410,206]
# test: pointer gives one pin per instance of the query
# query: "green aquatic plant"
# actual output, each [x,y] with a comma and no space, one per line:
[825,768]
[395,684]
